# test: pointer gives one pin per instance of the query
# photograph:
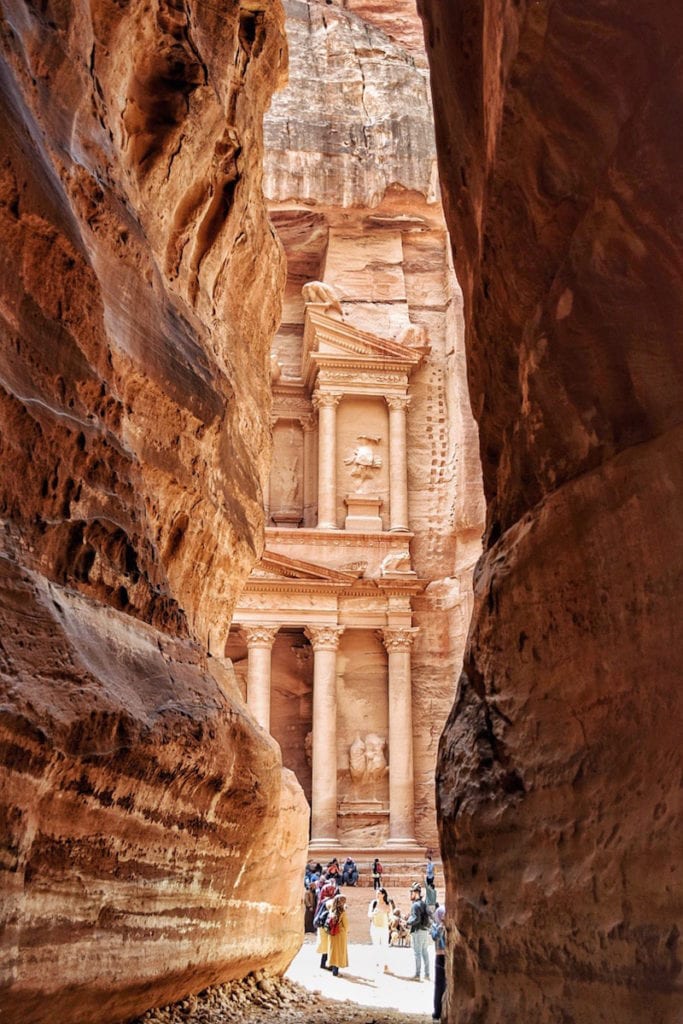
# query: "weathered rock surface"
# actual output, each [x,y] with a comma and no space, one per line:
[355,118]
[349,173]
[139,288]
[560,768]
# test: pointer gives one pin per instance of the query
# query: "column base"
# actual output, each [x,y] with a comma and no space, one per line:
[324,844]
[399,529]
[404,845]
[327,526]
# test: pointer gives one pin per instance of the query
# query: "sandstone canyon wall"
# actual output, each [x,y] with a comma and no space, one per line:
[350,177]
[140,285]
[559,771]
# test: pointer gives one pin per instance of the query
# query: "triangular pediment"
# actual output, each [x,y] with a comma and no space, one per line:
[327,338]
[274,566]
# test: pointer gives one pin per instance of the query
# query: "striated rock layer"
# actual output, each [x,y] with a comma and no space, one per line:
[139,289]
[559,771]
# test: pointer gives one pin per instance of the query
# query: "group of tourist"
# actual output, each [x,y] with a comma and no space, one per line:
[345,875]
[425,922]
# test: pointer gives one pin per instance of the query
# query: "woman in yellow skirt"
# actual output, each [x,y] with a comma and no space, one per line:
[338,945]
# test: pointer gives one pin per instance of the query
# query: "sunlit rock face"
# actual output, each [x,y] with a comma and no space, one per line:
[140,286]
[350,176]
[557,126]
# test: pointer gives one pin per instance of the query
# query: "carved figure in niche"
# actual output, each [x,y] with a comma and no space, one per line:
[357,759]
[308,749]
[364,459]
[286,477]
[367,761]
[376,762]
[275,368]
[396,562]
[320,294]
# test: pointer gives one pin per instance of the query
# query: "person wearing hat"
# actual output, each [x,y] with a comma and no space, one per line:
[418,922]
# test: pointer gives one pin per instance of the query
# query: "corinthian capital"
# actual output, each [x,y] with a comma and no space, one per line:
[324,638]
[399,638]
[326,399]
[259,636]
[400,402]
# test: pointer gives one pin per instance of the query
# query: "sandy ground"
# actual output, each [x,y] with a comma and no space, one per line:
[362,993]
[364,981]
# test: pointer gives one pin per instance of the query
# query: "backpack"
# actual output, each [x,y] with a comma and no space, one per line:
[439,935]
[321,916]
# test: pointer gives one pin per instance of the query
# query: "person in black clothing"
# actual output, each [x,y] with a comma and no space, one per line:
[377,870]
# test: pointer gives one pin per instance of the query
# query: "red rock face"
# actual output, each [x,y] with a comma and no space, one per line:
[560,766]
[139,289]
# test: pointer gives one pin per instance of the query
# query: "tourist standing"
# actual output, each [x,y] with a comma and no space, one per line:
[418,922]
[429,868]
[379,910]
[430,899]
[338,950]
[439,936]
[328,890]
[377,871]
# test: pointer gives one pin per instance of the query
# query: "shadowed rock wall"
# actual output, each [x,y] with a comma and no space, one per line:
[559,772]
[139,290]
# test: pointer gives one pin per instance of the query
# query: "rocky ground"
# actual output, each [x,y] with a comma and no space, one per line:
[362,994]
[262,998]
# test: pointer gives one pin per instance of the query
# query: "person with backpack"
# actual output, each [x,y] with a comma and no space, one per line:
[328,890]
[379,910]
[377,870]
[438,932]
[419,923]
[337,928]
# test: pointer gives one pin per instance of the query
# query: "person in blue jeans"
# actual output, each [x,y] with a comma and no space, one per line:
[438,932]
[418,922]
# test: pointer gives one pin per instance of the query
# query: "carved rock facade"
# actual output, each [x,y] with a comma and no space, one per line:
[560,766]
[140,287]
[375,497]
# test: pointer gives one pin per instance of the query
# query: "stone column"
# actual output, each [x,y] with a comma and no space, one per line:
[308,428]
[326,404]
[325,642]
[259,646]
[398,642]
[398,463]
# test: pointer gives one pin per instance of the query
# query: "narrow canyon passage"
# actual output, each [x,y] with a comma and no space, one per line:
[341,437]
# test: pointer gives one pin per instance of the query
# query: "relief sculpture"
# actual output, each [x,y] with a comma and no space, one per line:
[364,460]
[367,760]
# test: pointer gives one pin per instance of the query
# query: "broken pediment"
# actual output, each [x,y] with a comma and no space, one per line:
[330,342]
[280,567]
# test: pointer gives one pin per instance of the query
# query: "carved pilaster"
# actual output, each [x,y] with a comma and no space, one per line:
[398,462]
[326,403]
